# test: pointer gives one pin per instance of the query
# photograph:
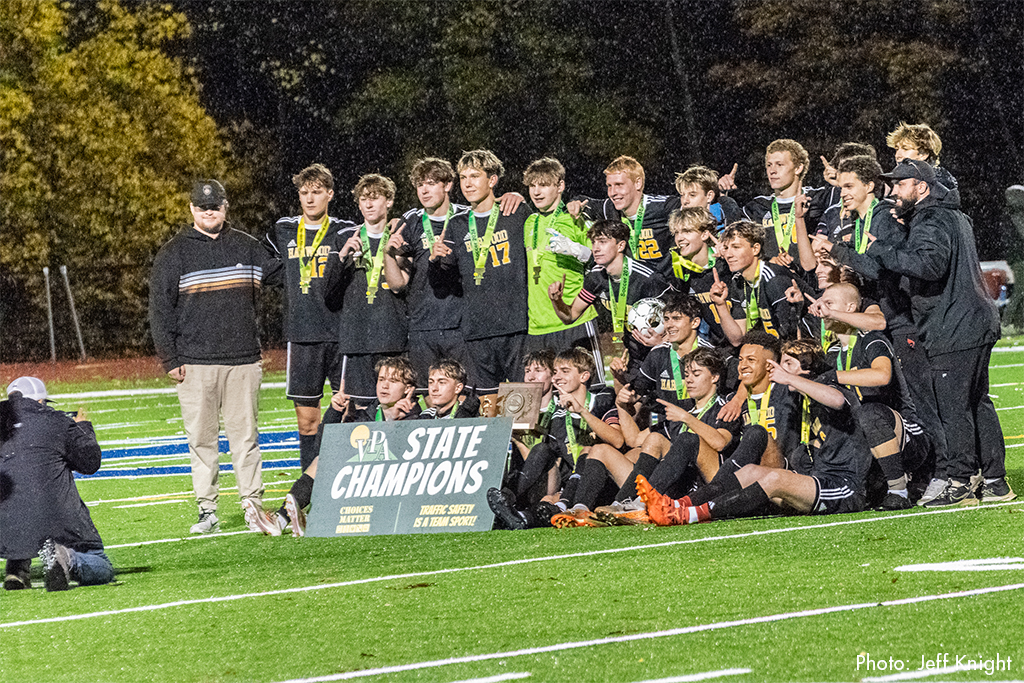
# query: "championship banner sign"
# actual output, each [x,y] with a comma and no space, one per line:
[420,476]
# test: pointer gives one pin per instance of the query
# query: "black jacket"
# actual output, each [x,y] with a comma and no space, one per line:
[39,448]
[203,301]
[951,308]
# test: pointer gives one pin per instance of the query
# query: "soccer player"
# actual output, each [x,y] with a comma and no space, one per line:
[693,259]
[373,320]
[396,382]
[435,304]
[866,363]
[646,215]
[616,280]
[959,324]
[556,248]
[486,252]
[827,474]
[580,420]
[698,188]
[786,163]
[202,310]
[756,293]
[918,141]
[444,393]
[836,209]
[303,243]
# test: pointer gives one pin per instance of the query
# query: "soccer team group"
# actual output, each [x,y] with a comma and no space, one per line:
[812,350]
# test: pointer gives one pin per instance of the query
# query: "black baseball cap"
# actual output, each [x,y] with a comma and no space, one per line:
[912,168]
[208,193]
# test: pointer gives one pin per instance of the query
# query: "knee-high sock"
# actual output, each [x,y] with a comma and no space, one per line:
[739,503]
[724,482]
[307,449]
[645,465]
[302,489]
[753,443]
[542,457]
[892,470]
[680,457]
[592,480]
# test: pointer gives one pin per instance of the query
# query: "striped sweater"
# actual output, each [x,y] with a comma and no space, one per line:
[203,298]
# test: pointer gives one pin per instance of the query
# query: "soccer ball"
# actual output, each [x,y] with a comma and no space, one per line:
[646,317]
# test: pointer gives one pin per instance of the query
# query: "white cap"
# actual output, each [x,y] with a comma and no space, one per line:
[30,387]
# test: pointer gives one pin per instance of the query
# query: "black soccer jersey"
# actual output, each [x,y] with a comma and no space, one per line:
[600,404]
[780,411]
[497,305]
[307,319]
[776,316]
[759,210]
[469,407]
[435,303]
[655,240]
[836,448]
[866,348]
[699,285]
[644,283]
[363,327]
[656,379]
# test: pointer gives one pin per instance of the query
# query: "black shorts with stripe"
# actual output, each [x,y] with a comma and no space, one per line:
[834,495]
[309,364]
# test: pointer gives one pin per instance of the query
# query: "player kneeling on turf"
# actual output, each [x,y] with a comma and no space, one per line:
[826,474]
[396,382]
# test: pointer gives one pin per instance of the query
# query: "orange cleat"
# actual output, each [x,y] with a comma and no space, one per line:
[576,517]
[661,509]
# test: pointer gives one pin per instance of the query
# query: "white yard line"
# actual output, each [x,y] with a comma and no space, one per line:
[153,391]
[561,647]
[704,676]
[455,570]
[496,679]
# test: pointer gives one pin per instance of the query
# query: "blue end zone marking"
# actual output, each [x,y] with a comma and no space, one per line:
[178,469]
[269,441]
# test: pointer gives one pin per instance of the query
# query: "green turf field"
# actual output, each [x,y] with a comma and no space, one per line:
[782,599]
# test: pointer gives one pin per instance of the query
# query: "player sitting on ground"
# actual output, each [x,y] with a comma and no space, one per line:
[538,368]
[445,388]
[866,363]
[698,188]
[396,382]
[617,281]
[580,420]
[827,475]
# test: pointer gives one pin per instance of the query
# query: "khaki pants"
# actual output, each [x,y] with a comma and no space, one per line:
[207,392]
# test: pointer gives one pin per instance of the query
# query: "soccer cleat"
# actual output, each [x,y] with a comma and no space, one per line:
[625,512]
[661,509]
[17,582]
[575,517]
[281,521]
[894,501]
[207,522]
[997,491]
[56,565]
[502,505]
[296,514]
[258,520]
[954,495]
[935,487]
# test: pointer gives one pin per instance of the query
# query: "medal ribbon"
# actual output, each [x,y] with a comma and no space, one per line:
[861,229]
[677,372]
[428,229]
[619,302]
[380,414]
[373,262]
[805,421]
[703,411]
[849,355]
[783,231]
[570,432]
[480,251]
[535,232]
[635,227]
[755,410]
[306,267]
[753,311]
[679,262]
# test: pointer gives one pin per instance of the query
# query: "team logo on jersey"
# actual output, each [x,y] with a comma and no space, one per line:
[292,244]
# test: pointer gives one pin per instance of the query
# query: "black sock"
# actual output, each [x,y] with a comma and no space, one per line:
[724,482]
[753,444]
[307,449]
[680,457]
[645,465]
[741,503]
[541,458]
[591,482]
[892,470]
[302,490]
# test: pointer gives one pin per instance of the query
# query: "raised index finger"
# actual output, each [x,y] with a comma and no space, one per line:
[714,273]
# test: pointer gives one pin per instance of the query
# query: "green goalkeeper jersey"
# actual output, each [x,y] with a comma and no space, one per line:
[543,319]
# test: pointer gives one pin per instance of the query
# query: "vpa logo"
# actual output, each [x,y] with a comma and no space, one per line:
[370,444]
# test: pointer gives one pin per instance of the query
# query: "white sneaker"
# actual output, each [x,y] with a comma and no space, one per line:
[296,514]
[258,520]
[976,481]
[935,488]
[207,522]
